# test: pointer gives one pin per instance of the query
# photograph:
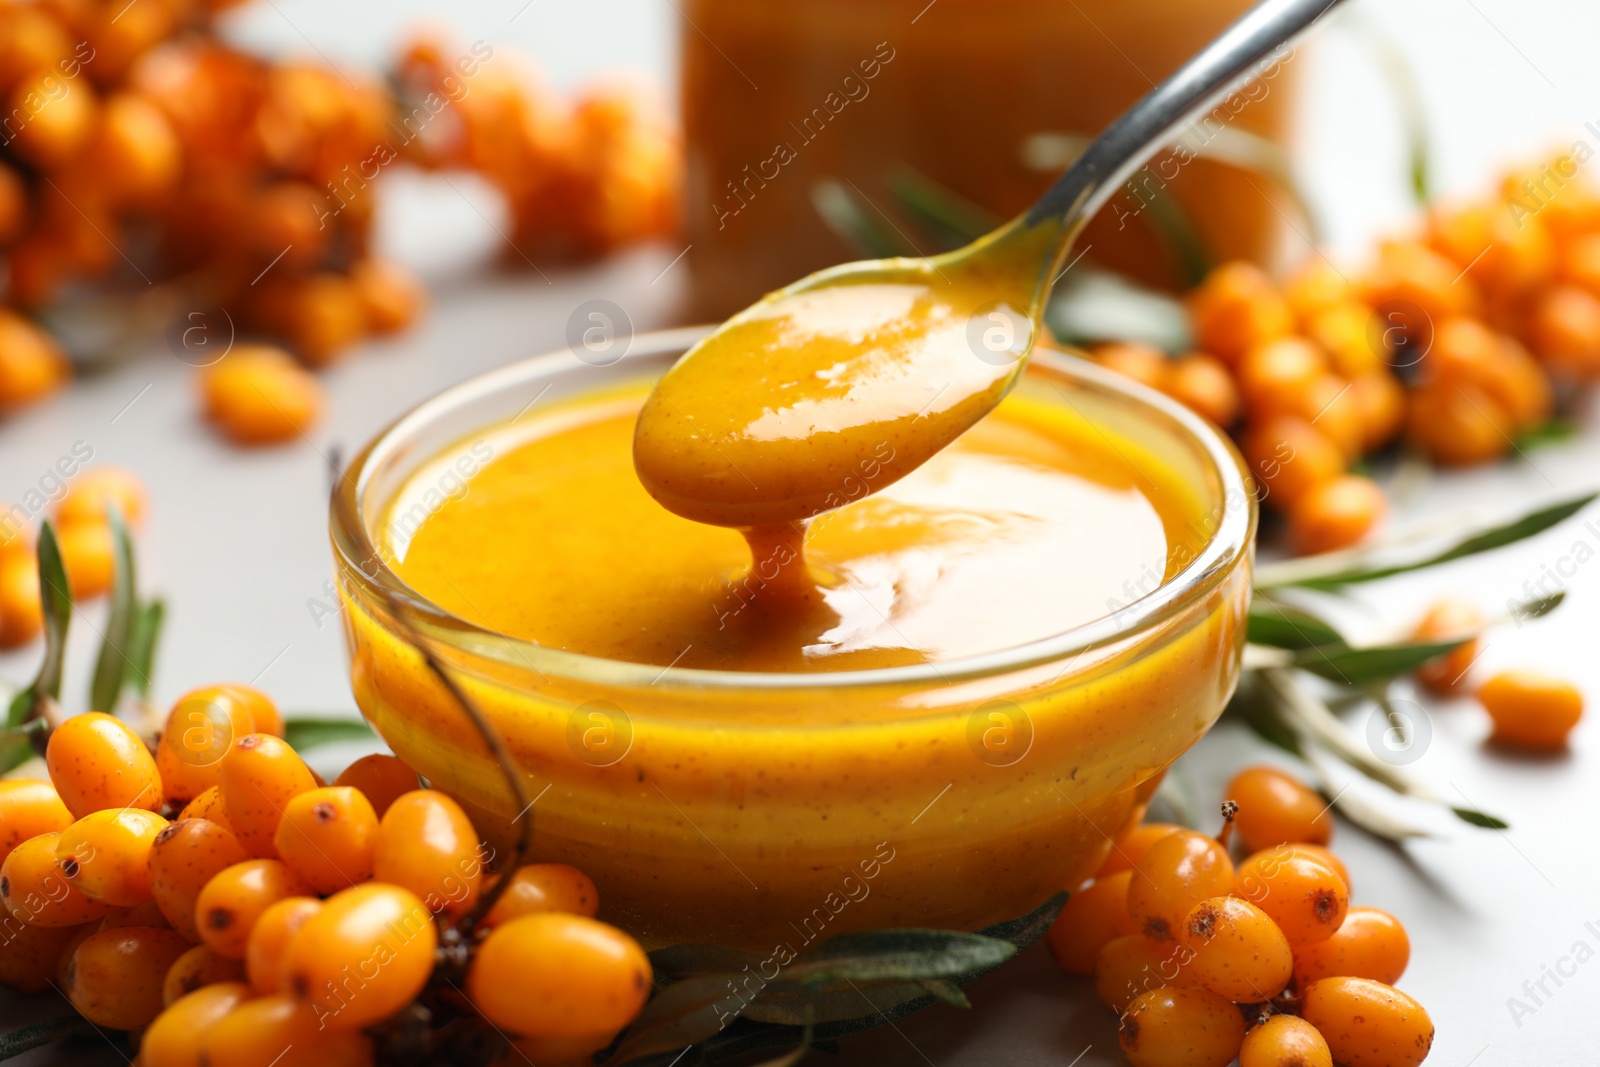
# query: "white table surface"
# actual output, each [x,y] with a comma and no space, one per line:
[237,541]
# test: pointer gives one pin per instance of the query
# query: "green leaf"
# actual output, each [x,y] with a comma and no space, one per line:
[898,956]
[1479,818]
[947,217]
[306,732]
[1284,626]
[1264,716]
[860,224]
[1306,573]
[1554,432]
[142,645]
[1356,666]
[1174,228]
[1406,97]
[37,1035]
[946,991]
[1090,304]
[55,599]
[111,666]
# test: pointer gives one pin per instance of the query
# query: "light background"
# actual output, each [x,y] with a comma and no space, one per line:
[237,541]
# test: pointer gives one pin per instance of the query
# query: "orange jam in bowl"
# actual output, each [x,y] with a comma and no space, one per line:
[1000,655]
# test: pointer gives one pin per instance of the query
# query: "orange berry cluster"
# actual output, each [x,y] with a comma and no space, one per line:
[223,904]
[1454,338]
[140,146]
[1265,961]
[1527,709]
[581,178]
[87,552]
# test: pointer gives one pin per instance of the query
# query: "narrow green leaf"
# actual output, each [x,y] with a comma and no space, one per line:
[37,1035]
[143,643]
[1554,432]
[946,991]
[1480,818]
[688,960]
[308,732]
[1305,575]
[1090,304]
[1174,228]
[683,1014]
[857,221]
[1406,97]
[15,750]
[1356,666]
[948,218]
[1534,609]
[55,596]
[1285,626]
[1264,717]
[898,956]
[111,666]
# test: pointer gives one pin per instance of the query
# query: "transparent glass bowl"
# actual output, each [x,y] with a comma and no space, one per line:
[762,809]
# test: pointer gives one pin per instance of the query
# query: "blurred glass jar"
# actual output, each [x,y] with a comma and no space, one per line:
[779,96]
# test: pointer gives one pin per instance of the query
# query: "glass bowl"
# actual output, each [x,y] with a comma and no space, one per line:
[760,809]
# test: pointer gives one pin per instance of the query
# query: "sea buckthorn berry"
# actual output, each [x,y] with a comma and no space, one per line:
[1128,849]
[280,1031]
[1580,263]
[1129,966]
[382,933]
[200,729]
[115,977]
[1179,1027]
[1274,375]
[328,837]
[176,1036]
[1336,514]
[559,975]
[264,954]
[1315,287]
[1449,620]
[1367,1023]
[97,762]
[56,133]
[135,152]
[262,710]
[1092,918]
[260,775]
[427,844]
[1202,383]
[28,954]
[197,968]
[92,493]
[1236,950]
[146,914]
[21,611]
[35,892]
[1145,364]
[1305,896]
[106,854]
[1564,332]
[1275,807]
[1323,856]
[540,887]
[1329,404]
[1176,873]
[1518,384]
[1369,944]
[381,778]
[1352,338]
[183,858]
[1237,308]
[1531,710]
[80,934]
[390,295]
[89,556]
[28,808]
[1414,287]
[208,805]
[1381,402]
[1289,457]
[32,365]
[232,902]
[1284,1041]
[258,395]
[1459,425]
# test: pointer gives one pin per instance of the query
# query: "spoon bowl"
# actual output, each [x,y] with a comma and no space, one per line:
[851,378]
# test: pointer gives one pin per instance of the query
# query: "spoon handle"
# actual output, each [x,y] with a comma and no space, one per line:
[1148,126]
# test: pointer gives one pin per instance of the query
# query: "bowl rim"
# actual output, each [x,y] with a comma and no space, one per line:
[1231,543]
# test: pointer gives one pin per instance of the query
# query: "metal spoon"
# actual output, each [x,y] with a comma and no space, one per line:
[849,379]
